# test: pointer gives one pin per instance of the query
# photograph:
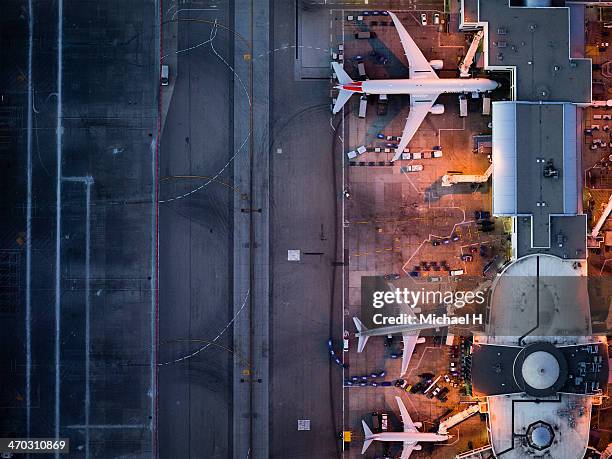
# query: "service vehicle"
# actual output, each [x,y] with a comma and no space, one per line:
[365,35]
[363,106]
[165,75]
[463,111]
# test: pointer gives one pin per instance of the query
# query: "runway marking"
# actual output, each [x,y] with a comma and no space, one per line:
[213,178]
[28,311]
[191,9]
[450,129]
[88,182]
[58,215]
[214,340]
[108,426]
[344,286]
[213,35]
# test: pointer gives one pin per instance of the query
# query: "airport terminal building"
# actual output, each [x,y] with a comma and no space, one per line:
[538,366]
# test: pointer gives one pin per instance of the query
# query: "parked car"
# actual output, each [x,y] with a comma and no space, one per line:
[423,19]
[436,18]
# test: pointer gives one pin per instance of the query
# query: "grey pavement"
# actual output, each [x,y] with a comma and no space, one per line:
[195,245]
[251,226]
[305,178]
[79,328]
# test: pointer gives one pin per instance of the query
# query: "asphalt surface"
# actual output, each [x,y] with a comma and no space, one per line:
[195,248]
[78,340]
[77,253]
[305,176]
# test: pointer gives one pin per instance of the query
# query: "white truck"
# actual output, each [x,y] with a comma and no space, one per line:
[363,106]
[463,105]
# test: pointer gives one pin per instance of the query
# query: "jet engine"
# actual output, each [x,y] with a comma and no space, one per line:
[437,109]
[418,425]
[436,64]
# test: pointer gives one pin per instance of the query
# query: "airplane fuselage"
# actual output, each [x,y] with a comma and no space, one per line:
[412,437]
[415,86]
[393,330]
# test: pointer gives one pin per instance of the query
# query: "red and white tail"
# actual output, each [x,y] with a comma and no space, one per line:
[347,87]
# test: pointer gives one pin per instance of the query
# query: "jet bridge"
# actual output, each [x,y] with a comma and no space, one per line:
[466,63]
[602,219]
[457,418]
[453,179]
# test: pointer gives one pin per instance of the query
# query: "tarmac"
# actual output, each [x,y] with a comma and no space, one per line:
[79,338]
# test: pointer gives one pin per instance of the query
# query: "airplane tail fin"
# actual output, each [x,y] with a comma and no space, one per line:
[343,97]
[342,76]
[343,79]
[362,339]
[368,437]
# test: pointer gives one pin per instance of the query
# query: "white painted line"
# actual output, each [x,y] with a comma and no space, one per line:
[58,215]
[88,184]
[108,426]
[343,201]
[192,9]
[28,311]
[153,326]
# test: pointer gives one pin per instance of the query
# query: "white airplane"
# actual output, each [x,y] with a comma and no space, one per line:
[410,436]
[423,86]
[410,338]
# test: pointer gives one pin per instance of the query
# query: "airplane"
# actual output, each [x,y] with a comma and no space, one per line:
[410,436]
[410,337]
[423,86]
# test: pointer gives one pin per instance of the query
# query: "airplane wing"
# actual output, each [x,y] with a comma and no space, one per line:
[406,420]
[419,108]
[410,341]
[408,447]
[418,66]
